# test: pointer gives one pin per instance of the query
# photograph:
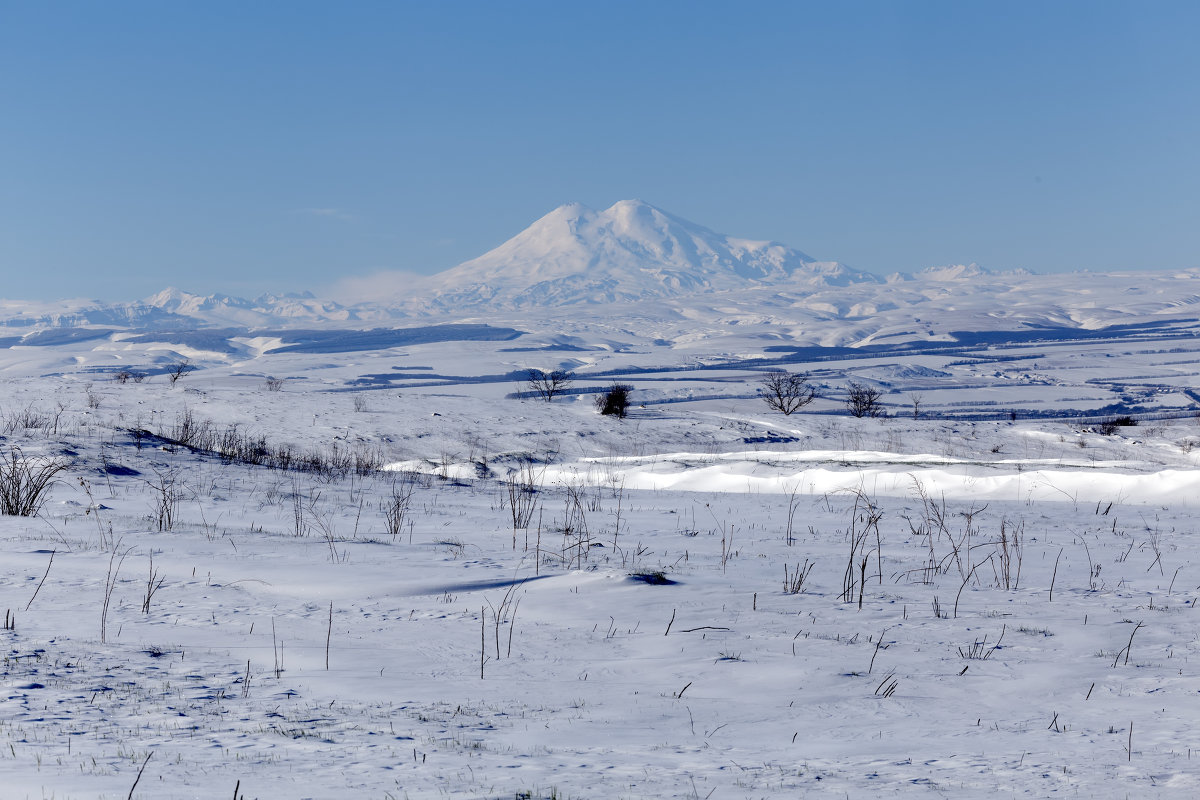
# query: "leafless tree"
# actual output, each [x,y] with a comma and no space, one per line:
[917,399]
[548,384]
[177,370]
[787,392]
[863,400]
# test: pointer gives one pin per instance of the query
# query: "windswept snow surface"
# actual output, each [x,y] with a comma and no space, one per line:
[987,607]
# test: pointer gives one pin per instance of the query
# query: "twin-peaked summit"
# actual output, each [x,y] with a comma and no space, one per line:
[631,251]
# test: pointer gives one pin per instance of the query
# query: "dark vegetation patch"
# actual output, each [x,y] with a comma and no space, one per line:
[653,577]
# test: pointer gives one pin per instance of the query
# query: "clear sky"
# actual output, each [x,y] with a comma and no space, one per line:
[278,146]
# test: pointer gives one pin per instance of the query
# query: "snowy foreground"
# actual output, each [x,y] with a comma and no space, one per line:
[989,608]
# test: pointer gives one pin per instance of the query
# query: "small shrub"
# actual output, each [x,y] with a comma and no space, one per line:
[793,581]
[396,508]
[522,488]
[273,384]
[654,577]
[615,401]
[1109,427]
[25,419]
[979,649]
[191,431]
[166,497]
[25,482]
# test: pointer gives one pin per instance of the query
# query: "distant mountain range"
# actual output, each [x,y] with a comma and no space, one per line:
[677,279]
[173,308]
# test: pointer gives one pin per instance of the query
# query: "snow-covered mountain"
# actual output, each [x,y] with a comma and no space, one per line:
[72,313]
[174,308]
[635,271]
[267,309]
[631,251]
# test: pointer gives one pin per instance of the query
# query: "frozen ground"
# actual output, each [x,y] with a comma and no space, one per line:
[637,639]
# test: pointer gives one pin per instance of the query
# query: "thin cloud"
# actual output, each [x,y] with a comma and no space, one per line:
[383,286]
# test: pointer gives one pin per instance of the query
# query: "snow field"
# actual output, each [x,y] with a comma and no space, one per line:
[617,684]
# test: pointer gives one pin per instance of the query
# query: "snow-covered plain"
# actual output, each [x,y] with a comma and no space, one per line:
[636,638]
[986,592]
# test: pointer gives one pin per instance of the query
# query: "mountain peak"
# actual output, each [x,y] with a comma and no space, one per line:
[568,211]
[634,206]
[178,301]
[952,272]
[630,251]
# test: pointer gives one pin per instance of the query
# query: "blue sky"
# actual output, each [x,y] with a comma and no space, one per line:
[271,146]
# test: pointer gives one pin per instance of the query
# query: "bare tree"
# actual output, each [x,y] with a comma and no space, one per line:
[916,398]
[787,392]
[177,370]
[863,400]
[548,384]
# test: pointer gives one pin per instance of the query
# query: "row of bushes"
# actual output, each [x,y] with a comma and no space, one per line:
[231,443]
